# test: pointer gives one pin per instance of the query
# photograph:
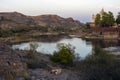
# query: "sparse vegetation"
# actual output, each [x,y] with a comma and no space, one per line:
[8,75]
[100,56]
[6,33]
[32,58]
[101,65]
[118,19]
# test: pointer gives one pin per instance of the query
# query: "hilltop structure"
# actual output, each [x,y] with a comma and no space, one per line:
[101,15]
[110,32]
[92,24]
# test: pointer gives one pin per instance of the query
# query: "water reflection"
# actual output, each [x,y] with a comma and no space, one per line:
[105,43]
[82,47]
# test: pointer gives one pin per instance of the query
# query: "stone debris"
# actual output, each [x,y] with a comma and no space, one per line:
[56,71]
[43,74]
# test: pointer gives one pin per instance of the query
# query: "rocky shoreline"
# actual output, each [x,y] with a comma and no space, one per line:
[14,66]
[19,65]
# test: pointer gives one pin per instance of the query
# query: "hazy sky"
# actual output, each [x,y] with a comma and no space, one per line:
[78,9]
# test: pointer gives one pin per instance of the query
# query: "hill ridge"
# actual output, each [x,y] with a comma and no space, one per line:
[15,19]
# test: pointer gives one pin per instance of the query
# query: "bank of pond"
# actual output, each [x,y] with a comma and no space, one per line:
[83,47]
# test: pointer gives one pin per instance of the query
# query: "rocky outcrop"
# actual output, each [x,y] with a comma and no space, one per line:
[11,67]
[15,19]
[56,21]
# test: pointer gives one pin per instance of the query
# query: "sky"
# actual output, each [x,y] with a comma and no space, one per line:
[81,10]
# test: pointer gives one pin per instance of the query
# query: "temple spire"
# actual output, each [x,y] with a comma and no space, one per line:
[102,11]
[93,18]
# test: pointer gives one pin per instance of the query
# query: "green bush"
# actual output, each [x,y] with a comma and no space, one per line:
[6,33]
[64,55]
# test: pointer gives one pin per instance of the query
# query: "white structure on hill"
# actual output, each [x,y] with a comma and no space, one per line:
[101,14]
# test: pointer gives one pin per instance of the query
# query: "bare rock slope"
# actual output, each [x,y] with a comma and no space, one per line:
[15,19]
[56,21]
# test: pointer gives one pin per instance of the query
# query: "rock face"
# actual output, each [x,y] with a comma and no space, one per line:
[56,21]
[15,19]
[11,67]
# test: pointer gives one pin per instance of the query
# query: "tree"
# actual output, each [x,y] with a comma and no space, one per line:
[97,20]
[32,51]
[118,18]
[64,55]
[33,46]
[106,20]
[111,19]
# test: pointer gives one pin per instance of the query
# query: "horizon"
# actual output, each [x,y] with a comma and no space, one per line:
[77,9]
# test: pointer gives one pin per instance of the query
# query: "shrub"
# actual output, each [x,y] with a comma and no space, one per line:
[100,56]
[8,75]
[64,55]
[6,33]
[32,56]
[32,51]
[101,65]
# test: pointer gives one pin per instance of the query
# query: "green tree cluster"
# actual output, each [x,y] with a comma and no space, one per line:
[106,20]
[118,18]
[98,20]
[64,55]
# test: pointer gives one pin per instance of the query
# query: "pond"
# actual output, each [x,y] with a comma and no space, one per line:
[82,47]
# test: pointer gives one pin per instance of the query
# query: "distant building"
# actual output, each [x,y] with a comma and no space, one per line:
[92,24]
[101,15]
[104,32]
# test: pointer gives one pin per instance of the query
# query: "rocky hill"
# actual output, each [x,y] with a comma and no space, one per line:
[15,19]
[56,21]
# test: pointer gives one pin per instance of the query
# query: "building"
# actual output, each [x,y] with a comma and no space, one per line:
[104,32]
[92,24]
[101,15]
